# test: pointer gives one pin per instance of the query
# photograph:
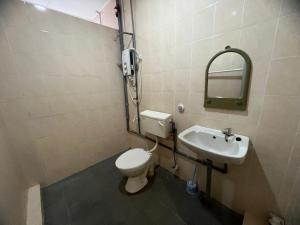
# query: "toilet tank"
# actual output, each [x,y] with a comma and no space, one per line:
[156,123]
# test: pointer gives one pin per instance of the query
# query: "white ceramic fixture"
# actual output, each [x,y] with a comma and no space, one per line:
[136,163]
[212,144]
[156,123]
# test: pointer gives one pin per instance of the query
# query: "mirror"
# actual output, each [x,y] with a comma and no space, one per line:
[227,80]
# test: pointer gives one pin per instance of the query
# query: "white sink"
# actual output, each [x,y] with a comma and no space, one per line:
[211,143]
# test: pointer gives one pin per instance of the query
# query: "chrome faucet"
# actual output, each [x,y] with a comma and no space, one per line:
[228,133]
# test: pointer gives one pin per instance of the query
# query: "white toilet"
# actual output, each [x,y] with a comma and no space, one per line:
[135,163]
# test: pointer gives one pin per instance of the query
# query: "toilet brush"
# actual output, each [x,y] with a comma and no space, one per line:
[191,185]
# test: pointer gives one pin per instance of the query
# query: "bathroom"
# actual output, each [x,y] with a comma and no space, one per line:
[74,121]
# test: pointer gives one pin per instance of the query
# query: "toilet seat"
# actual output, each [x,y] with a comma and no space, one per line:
[133,159]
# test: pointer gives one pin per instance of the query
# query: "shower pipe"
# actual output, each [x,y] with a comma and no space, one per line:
[119,16]
[174,149]
[136,70]
[133,38]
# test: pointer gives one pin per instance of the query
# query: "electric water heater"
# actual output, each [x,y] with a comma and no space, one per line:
[128,61]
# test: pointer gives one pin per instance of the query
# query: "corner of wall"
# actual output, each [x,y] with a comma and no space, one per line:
[34,206]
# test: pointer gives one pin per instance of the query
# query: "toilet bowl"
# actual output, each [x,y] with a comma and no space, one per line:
[134,164]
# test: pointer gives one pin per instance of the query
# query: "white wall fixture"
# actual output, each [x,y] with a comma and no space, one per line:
[180,108]
[156,123]
[215,145]
[137,163]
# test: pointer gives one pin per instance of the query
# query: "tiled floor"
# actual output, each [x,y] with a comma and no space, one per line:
[96,196]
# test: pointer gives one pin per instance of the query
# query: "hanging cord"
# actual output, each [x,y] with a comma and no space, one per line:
[140,66]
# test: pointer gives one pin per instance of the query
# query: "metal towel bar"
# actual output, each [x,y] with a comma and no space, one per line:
[226,71]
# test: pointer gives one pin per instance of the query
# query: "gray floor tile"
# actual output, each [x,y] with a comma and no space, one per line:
[57,214]
[96,196]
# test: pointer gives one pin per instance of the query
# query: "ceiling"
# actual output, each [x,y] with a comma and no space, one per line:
[85,9]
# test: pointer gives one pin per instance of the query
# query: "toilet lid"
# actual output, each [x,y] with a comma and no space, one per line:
[133,158]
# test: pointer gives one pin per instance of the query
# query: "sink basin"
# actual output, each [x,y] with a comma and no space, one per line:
[211,143]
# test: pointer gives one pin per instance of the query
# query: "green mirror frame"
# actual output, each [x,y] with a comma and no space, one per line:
[229,103]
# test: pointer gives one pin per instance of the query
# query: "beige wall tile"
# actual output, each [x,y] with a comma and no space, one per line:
[280,112]
[203,23]
[289,181]
[183,56]
[284,79]
[168,16]
[156,82]
[183,32]
[181,78]
[27,64]
[273,149]
[33,85]
[290,6]
[288,37]
[231,39]
[196,103]
[7,87]
[12,187]
[197,80]
[51,64]
[161,101]
[260,10]
[201,53]
[37,107]
[13,14]
[168,81]
[252,115]
[45,42]
[257,40]
[251,26]
[259,76]
[6,58]
[202,4]
[228,15]
[258,189]
[292,214]
[59,82]
[183,7]
[25,43]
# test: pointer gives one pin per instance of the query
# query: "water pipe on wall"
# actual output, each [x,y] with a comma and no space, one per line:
[155,146]
[120,15]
